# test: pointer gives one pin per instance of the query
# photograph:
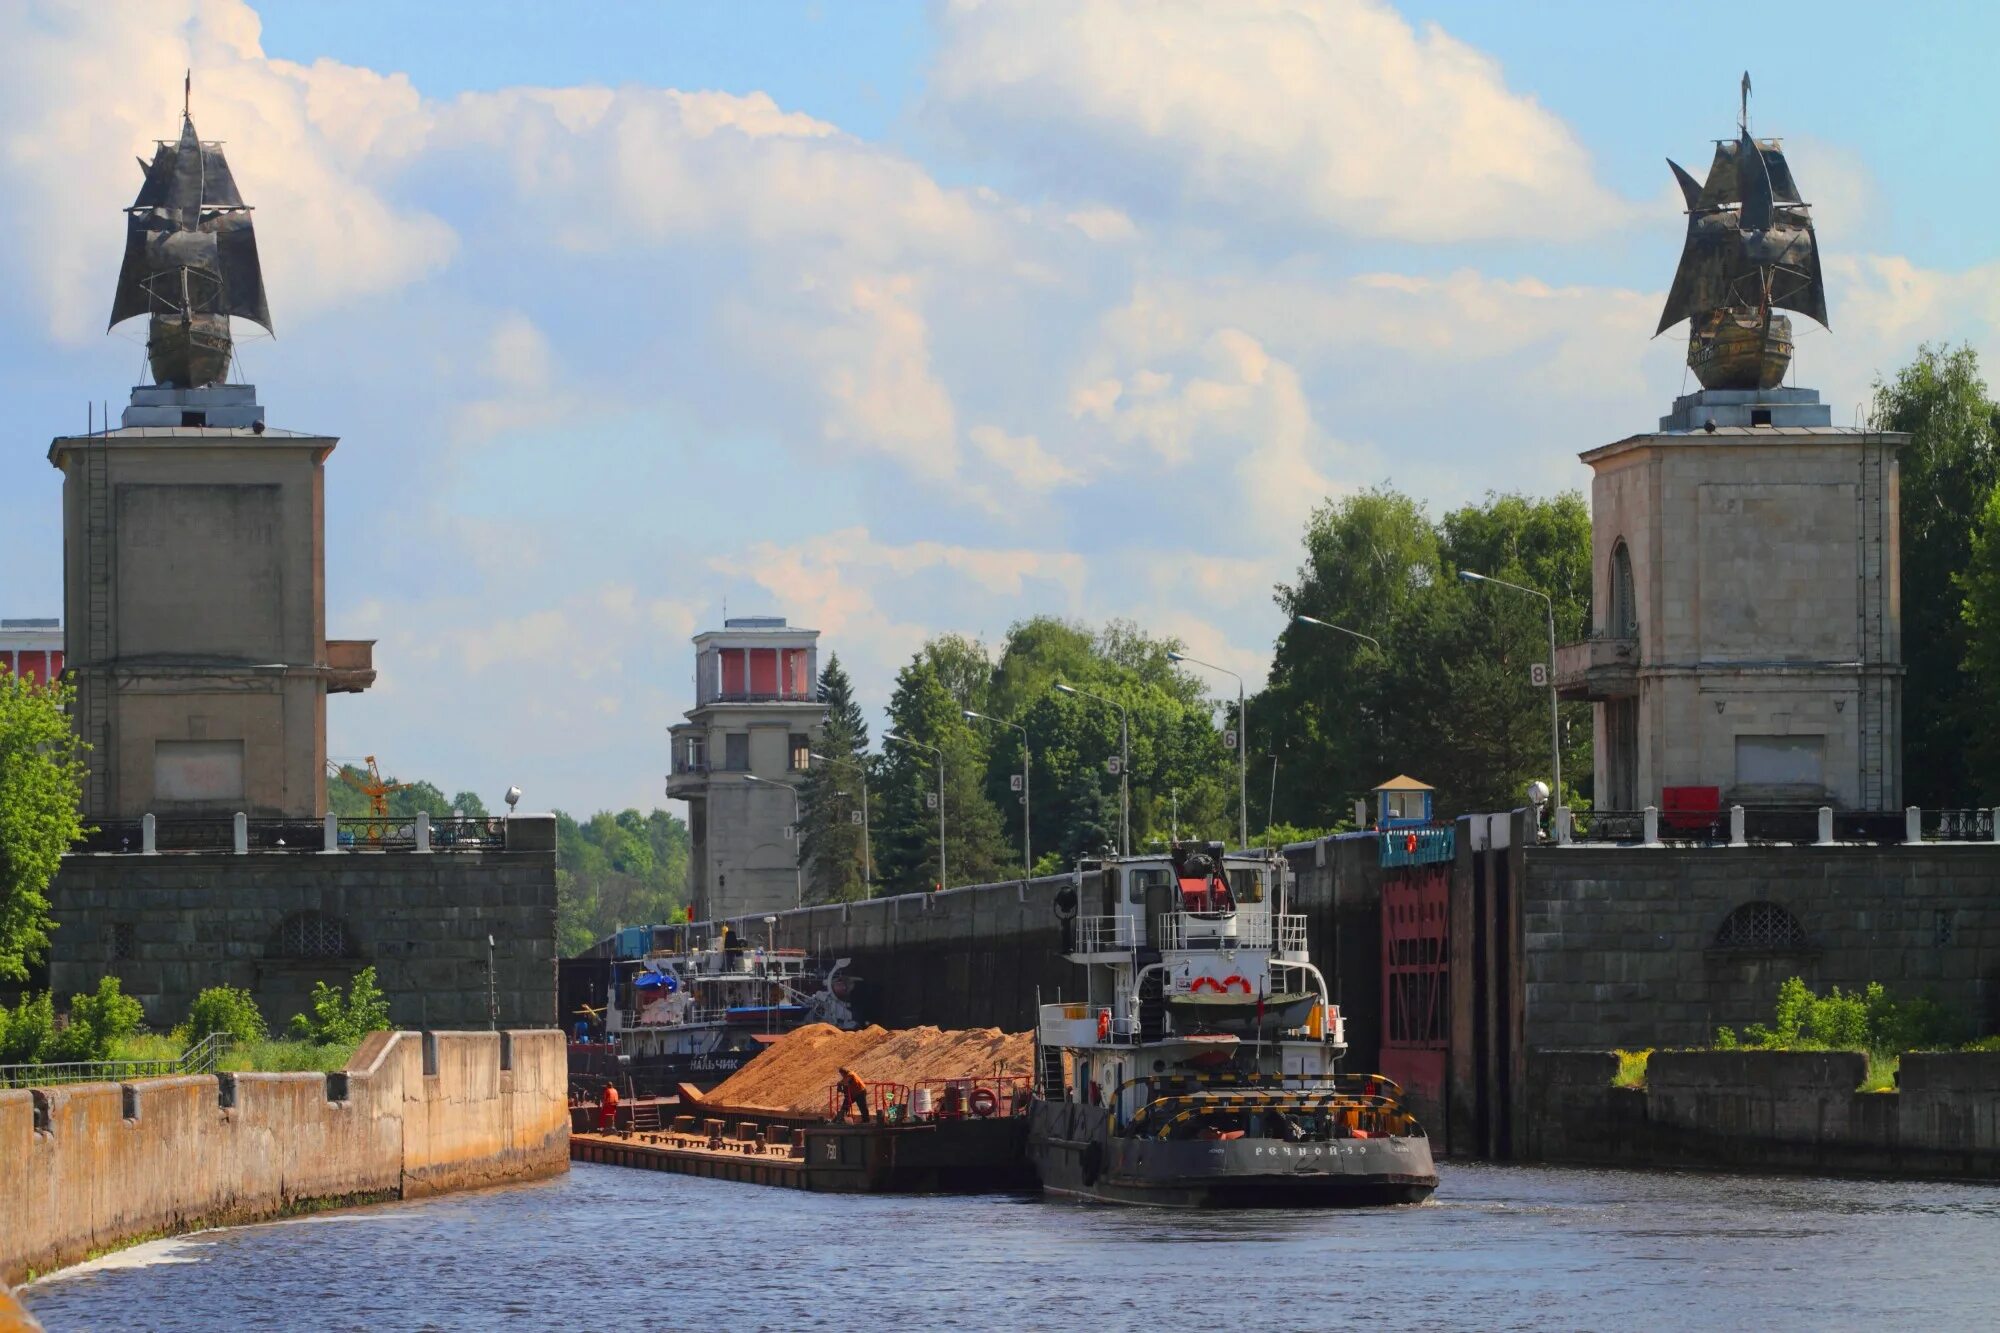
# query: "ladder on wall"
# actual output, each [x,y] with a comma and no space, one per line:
[1871,596]
[94,671]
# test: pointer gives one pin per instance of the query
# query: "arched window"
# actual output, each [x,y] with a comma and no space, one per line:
[311,935]
[1760,928]
[1624,609]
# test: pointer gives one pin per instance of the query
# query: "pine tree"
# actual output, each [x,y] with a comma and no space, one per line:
[830,796]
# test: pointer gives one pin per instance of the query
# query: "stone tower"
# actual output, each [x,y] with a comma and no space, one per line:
[738,759]
[1748,636]
[194,562]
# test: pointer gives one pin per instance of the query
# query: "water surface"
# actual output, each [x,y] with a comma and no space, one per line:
[1500,1247]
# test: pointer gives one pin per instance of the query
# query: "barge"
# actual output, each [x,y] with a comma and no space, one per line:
[1199,1069]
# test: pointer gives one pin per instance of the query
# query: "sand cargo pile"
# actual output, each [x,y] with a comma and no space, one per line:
[795,1076]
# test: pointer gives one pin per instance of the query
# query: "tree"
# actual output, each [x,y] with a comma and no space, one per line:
[830,796]
[1979,590]
[617,870]
[41,790]
[923,709]
[1947,474]
[1446,696]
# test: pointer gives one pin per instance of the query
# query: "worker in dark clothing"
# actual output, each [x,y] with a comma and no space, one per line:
[853,1093]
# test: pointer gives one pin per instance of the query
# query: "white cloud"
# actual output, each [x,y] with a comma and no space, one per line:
[1027,464]
[1323,112]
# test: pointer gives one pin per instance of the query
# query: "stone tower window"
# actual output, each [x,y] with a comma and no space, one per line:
[1761,928]
[311,935]
[1624,608]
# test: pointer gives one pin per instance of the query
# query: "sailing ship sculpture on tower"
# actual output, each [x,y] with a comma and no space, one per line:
[190,261]
[1751,251]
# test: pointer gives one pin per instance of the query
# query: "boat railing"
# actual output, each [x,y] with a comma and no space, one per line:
[974,1096]
[888,1103]
[1250,926]
[1107,934]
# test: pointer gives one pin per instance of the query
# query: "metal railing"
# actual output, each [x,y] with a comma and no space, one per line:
[200,1058]
[1779,825]
[1106,934]
[1251,926]
[214,834]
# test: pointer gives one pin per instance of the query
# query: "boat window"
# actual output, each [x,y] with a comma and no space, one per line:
[1149,877]
[1247,885]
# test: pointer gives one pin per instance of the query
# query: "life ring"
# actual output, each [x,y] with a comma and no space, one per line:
[1227,982]
[1103,1024]
[984,1103]
[1196,986]
[1219,987]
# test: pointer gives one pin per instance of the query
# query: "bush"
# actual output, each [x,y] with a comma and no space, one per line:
[96,1021]
[343,1019]
[1864,1020]
[223,1009]
[25,1033]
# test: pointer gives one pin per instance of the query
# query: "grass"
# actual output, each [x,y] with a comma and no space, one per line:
[257,1057]
[1631,1069]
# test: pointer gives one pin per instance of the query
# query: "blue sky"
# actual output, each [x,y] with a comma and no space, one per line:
[902,318]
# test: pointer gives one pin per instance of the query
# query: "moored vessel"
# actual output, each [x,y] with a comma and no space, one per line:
[1198,1070]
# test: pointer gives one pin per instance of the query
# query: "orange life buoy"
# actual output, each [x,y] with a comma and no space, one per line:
[1103,1024]
[1195,986]
[1227,982]
[984,1103]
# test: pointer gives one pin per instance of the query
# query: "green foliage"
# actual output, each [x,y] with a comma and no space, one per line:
[25,1033]
[926,711]
[830,796]
[338,1018]
[262,1056]
[41,788]
[97,1020]
[1947,476]
[1446,697]
[347,801]
[1865,1020]
[1631,1068]
[617,870]
[224,1009]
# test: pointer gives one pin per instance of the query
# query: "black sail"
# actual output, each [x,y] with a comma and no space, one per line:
[1739,237]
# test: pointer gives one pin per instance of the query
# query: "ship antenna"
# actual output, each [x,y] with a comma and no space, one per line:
[1743,116]
[187,92]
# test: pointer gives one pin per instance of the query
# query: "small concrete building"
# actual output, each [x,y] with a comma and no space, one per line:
[1748,633]
[737,761]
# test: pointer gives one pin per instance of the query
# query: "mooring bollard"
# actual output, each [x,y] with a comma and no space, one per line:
[1913,824]
[1652,826]
[242,834]
[1736,838]
[423,830]
[149,834]
[1825,827]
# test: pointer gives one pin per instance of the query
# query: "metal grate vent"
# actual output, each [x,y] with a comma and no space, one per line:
[1760,926]
[311,935]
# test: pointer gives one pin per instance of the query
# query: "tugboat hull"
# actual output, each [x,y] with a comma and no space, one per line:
[1076,1156]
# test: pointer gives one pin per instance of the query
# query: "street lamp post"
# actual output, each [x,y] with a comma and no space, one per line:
[1124,764]
[898,736]
[1242,749]
[1027,852]
[1342,629]
[1555,723]
[798,874]
[867,848]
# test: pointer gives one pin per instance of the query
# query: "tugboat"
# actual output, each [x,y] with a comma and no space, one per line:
[1198,1070]
[696,1012]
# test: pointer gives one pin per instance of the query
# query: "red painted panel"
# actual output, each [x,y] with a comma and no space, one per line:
[732,670]
[55,666]
[1416,958]
[798,679]
[34,667]
[764,671]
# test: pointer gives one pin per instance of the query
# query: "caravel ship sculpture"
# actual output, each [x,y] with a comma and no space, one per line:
[1751,251]
[190,261]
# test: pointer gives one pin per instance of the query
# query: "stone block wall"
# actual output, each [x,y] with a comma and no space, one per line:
[91,1165]
[169,925]
[1619,944]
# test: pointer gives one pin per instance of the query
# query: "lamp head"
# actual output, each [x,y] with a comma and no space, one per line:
[513,797]
[971,716]
[1176,657]
[1467,576]
[1066,689]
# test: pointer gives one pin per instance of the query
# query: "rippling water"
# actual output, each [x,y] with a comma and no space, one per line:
[1499,1247]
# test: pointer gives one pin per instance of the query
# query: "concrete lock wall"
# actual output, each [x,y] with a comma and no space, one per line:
[90,1166]
[1769,1110]
[1619,944]
[168,926]
[981,955]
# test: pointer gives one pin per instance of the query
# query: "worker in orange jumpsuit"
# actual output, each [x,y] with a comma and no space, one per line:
[607,1110]
[853,1093]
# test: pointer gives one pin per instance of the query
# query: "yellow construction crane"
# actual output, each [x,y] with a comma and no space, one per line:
[376,790]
